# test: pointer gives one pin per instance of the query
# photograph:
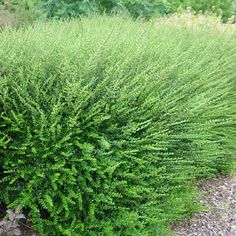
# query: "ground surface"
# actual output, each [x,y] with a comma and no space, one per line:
[220,218]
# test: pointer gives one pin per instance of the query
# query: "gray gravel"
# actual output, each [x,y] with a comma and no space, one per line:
[220,219]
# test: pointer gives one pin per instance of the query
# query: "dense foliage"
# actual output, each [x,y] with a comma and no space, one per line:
[143,8]
[72,8]
[135,8]
[106,124]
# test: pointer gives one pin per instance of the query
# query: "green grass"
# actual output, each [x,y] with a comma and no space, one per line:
[107,124]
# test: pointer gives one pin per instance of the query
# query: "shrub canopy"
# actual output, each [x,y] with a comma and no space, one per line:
[106,123]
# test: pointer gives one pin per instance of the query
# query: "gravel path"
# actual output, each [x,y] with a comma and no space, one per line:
[220,220]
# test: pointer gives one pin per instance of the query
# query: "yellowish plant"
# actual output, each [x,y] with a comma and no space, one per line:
[197,21]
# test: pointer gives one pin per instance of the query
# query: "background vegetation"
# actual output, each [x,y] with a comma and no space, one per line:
[135,8]
[106,131]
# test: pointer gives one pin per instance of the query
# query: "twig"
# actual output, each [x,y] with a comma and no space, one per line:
[26,225]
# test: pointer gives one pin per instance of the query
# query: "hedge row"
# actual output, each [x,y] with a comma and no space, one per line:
[106,124]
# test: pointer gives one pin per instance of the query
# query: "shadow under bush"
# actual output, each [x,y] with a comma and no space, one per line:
[106,123]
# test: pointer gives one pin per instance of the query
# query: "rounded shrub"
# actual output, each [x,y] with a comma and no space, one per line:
[106,124]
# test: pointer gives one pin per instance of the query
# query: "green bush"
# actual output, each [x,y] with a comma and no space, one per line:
[106,123]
